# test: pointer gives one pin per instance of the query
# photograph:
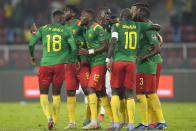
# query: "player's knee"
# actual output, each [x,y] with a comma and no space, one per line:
[85,91]
[116,91]
[71,92]
[43,90]
[90,90]
[129,93]
[56,90]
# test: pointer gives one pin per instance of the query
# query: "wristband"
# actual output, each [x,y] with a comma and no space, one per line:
[107,60]
[91,51]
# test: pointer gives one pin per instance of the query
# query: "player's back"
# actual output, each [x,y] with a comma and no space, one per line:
[55,44]
[127,40]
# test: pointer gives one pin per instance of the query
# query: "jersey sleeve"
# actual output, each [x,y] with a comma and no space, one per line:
[144,26]
[152,37]
[100,33]
[33,41]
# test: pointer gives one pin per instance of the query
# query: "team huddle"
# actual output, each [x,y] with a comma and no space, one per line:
[80,52]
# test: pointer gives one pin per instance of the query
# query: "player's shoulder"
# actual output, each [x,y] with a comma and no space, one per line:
[77,22]
[45,26]
[97,26]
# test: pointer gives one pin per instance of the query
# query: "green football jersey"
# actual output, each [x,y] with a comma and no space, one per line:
[148,65]
[158,58]
[128,39]
[93,38]
[77,31]
[56,40]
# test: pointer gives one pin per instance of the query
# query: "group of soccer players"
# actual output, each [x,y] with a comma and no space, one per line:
[81,51]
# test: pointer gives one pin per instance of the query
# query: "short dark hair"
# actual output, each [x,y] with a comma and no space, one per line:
[73,8]
[140,5]
[91,12]
[57,13]
[145,12]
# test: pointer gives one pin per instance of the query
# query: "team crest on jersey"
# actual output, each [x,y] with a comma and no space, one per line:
[154,37]
[89,35]
[74,31]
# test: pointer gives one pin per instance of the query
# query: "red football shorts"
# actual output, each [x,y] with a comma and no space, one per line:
[73,77]
[97,77]
[53,73]
[123,74]
[158,73]
[145,83]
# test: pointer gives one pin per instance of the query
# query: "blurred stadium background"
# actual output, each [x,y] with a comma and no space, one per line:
[18,76]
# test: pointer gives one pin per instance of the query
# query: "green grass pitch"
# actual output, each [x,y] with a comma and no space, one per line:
[29,116]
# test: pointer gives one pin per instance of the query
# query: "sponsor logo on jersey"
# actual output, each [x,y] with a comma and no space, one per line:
[154,37]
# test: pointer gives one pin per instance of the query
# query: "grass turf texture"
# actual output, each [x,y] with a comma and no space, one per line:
[29,116]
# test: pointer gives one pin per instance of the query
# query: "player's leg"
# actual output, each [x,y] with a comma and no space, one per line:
[106,103]
[155,104]
[71,85]
[57,81]
[117,77]
[141,88]
[83,77]
[129,84]
[45,78]
[94,84]
[123,109]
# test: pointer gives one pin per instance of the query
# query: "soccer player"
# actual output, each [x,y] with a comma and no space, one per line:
[124,42]
[103,19]
[56,40]
[97,45]
[73,75]
[146,87]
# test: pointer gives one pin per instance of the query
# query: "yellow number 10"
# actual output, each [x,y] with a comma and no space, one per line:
[129,40]
[54,42]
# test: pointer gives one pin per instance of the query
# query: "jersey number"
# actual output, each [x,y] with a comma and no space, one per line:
[56,40]
[129,40]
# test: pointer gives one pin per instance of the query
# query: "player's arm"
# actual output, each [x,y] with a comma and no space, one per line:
[153,39]
[149,26]
[150,48]
[114,40]
[104,44]
[32,43]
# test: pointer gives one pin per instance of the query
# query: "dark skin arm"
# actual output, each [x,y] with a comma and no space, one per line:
[150,48]
[110,52]
[103,47]
[156,50]
[155,27]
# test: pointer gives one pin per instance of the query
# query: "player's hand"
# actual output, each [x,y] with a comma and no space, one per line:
[160,39]
[78,43]
[78,65]
[150,48]
[109,66]
[33,61]
[83,52]
[34,29]
[139,58]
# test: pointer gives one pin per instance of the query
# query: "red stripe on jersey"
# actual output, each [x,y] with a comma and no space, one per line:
[95,26]
[78,22]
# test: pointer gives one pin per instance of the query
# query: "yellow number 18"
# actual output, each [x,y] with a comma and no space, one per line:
[129,40]
[54,42]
